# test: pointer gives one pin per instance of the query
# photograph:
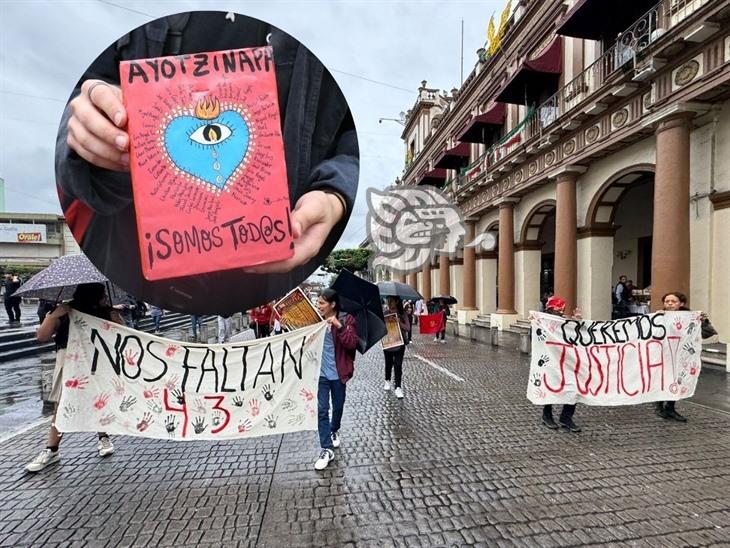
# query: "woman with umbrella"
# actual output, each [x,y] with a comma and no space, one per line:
[337,367]
[90,299]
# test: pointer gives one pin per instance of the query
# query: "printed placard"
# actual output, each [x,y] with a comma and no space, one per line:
[121,381]
[394,337]
[296,311]
[207,162]
[652,357]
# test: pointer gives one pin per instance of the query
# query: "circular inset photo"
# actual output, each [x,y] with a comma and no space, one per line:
[207,162]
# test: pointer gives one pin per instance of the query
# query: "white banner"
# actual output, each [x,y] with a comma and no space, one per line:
[121,381]
[653,357]
[21,233]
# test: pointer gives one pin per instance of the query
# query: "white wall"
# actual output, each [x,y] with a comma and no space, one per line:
[486,285]
[527,281]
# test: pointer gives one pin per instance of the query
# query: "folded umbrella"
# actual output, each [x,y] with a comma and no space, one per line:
[361,299]
[58,281]
[398,289]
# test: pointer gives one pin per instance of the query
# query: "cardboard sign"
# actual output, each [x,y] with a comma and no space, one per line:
[121,381]
[296,311]
[207,162]
[394,337]
[653,357]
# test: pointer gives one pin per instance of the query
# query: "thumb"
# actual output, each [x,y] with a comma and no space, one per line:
[309,211]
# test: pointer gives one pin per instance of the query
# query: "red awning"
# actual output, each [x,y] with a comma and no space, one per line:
[601,19]
[454,158]
[482,126]
[434,177]
[536,78]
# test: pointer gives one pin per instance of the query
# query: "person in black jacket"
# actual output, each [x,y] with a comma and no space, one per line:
[321,151]
[12,304]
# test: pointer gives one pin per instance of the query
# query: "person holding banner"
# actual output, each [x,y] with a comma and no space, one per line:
[394,356]
[446,311]
[337,367]
[90,299]
[666,409]
[556,306]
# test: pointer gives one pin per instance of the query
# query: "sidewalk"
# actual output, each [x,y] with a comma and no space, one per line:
[454,463]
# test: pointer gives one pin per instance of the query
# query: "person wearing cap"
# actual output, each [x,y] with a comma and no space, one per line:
[556,306]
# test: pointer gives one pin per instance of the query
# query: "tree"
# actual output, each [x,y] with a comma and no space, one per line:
[354,260]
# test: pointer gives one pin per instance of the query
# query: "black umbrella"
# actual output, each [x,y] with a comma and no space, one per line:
[361,299]
[398,289]
[448,299]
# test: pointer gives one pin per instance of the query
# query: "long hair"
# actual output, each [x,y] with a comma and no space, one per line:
[332,297]
[88,298]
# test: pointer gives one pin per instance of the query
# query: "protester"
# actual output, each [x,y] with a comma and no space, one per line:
[442,307]
[89,299]
[156,314]
[667,409]
[225,329]
[262,320]
[337,367]
[556,306]
[394,356]
[196,322]
[138,312]
[126,310]
[620,299]
[419,310]
[408,308]
[12,304]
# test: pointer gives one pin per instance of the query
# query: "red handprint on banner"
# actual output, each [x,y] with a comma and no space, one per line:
[131,357]
[172,383]
[170,351]
[79,383]
[306,394]
[101,401]
[145,422]
[151,393]
[254,408]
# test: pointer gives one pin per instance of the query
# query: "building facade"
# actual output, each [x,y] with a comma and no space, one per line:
[593,143]
[34,239]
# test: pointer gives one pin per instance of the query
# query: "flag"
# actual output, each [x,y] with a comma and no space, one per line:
[432,324]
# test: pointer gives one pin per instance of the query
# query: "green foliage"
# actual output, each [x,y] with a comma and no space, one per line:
[354,260]
[24,272]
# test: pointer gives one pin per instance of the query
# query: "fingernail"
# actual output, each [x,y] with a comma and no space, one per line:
[117,118]
[121,141]
[125,159]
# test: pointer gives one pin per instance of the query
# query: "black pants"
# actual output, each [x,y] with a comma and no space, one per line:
[441,335]
[262,330]
[12,307]
[566,414]
[394,358]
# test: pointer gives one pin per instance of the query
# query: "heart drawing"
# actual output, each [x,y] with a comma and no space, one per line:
[209,146]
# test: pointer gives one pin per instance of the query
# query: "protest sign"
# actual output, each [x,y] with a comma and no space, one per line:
[653,357]
[296,311]
[207,162]
[431,324]
[121,381]
[394,337]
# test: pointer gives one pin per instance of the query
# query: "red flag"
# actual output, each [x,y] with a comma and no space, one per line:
[431,324]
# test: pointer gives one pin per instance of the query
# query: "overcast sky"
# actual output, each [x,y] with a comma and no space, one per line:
[46,45]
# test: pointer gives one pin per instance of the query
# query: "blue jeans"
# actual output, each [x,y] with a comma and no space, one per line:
[197,322]
[337,390]
[157,320]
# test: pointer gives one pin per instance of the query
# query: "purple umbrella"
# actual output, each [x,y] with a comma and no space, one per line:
[58,281]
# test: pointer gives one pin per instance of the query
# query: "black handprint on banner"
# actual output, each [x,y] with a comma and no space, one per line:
[689,348]
[244,426]
[271,421]
[296,420]
[288,405]
[127,403]
[543,361]
[179,396]
[536,379]
[69,411]
[691,328]
[199,425]
[80,323]
[144,423]
[170,425]
[107,419]
[540,334]
[267,392]
[217,418]
[237,401]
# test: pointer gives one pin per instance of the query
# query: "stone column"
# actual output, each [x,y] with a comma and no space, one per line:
[399,277]
[426,281]
[412,280]
[470,265]
[670,254]
[506,304]
[444,277]
[566,237]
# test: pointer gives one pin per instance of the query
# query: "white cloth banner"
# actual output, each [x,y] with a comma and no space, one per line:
[653,357]
[121,381]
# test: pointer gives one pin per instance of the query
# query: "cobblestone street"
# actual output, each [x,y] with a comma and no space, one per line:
[461,460]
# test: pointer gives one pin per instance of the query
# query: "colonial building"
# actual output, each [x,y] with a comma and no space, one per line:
[594,142]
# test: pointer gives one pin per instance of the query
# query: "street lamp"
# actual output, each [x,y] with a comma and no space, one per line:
[400,120]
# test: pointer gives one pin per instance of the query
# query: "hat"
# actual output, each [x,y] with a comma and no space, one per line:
[555,303]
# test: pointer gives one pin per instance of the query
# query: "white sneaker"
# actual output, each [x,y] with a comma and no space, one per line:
[325,457]
[443,341]
[335,439]
[105,446]
[435,339]
[399,393]
[386,386]
[43,459]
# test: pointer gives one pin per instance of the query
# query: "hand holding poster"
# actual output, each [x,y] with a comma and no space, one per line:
[394,337]
[646,358]
[121,381]
[295,311]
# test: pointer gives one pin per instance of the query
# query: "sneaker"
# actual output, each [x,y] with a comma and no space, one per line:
[335,439]
[570,425]
[325,457]
[43,459]
[672,414]
[435,339]
[549,422]
[443,341]
[105,446]
[399,393]
[386,386]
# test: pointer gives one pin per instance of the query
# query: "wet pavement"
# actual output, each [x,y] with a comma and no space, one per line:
[462,460]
